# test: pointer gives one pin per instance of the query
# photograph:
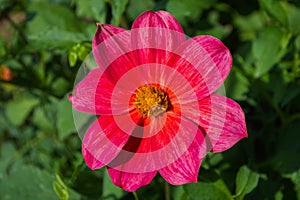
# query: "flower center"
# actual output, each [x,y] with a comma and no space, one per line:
[151,100]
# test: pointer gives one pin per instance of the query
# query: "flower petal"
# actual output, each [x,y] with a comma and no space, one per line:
[209,62]
[221,118]
[94,95]
[109,43]
[130,181]
[160,19]
[156,31]
[90,160]
[158,144]
[105,139]
[185,169]
[105,31]
[83,98]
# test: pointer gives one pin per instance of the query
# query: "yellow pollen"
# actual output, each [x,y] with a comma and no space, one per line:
[151,101]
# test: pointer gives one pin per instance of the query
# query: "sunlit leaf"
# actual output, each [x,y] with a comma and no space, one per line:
[17,110]
[266,51]
[32,183]
[94,9]
[275,9]
[187,9]
[135,8]
[65,123]
[207,191]
[246,181]
[55,38]
[118,8]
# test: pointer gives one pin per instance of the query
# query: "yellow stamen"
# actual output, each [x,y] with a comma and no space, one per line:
[151,100]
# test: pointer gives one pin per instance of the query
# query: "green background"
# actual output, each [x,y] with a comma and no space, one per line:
[42,44]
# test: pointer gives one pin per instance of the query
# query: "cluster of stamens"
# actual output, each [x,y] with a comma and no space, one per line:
[151,101]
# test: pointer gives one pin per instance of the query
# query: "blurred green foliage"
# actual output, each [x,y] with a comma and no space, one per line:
[42,44]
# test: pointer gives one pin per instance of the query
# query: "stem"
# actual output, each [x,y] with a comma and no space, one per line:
[135,195]
[168,192]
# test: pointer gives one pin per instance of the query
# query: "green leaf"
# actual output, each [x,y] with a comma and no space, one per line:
[18,109]
[65,122]
[293,16]
[266,52]
[72,57]
[6,152]
[297,42]
[110,191]
[27,183]
[94,9]
[61,189]
[295,177]
[135,8]
[47,15]
[2,49]
[237,85]
[250,24]
[179,193]
[246,181]
[54,38]
[61,86]
[207,191]
[188,9]
[275,9]
[118,8]
[42,121]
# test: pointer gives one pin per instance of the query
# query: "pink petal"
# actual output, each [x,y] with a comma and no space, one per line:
[185,169]
[130,181]
[160,19]
[90,160]
[205,62]
[94,95]
[221,118]
[105,31]
[84,95]
[159,144]
[153,31]
[110,42]
[104,140]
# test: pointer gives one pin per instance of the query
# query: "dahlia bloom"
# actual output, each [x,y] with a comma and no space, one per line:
[152,95]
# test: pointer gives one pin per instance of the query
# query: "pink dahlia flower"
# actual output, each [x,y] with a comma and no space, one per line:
[152,95]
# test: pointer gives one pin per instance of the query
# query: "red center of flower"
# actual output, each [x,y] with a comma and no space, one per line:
[151,100]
